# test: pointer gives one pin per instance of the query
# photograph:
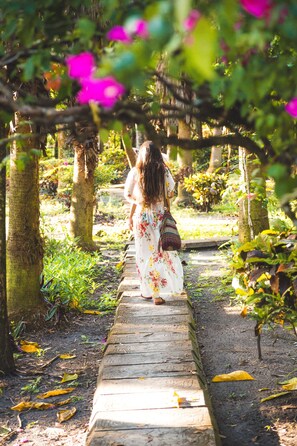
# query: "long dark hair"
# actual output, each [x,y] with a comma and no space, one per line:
[151,171]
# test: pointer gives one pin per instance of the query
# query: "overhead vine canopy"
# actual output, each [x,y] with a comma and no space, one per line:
[236,57]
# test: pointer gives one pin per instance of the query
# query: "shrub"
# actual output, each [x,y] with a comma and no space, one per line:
[71,279]
[266,278]
[206,189]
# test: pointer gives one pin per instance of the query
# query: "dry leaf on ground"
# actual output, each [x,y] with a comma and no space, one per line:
[64,415]
[55,392]
[238,375]
[271,397]
[69,377]
[25,405]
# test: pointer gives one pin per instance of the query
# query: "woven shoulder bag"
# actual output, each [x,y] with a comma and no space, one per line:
[169,236]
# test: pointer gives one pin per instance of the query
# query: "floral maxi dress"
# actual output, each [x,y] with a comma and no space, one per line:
[160,272]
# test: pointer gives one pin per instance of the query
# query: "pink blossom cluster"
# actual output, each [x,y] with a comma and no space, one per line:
[257,8]
[106,91]
[139,28]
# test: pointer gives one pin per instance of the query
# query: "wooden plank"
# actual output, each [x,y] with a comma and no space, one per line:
[159,418]
[147,370]
[154,310]
[146,347]
[129,338]
[158,357]
[136,329]
[180,384]
[148,401]
[128,318]
[190,436]
[135,299]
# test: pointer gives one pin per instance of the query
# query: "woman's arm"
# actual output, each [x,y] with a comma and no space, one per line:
[132,210]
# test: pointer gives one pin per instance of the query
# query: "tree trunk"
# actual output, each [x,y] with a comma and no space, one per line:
[24,245]
[171,150]
[62,187]
[215,161]
[6,354]
[130,153]
[185,160]
[82,200]
[253,214]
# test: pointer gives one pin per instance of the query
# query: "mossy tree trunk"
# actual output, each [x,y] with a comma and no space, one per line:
[253,213]
[24,244]
[83,199]
[171,150]
[6,355]
[215,161]
[185,160]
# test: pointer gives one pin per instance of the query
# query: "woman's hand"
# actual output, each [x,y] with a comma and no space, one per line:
[130,224]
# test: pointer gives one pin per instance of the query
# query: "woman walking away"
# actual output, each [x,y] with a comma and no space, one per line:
[147,185]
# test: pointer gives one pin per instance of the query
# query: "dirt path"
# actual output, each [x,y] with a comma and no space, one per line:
[227,343]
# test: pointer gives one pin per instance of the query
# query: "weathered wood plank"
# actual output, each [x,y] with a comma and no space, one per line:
[146,347]
[152,310]
[158,418]
[128,338]
[131,328]
[127,318]
[147,358]
[154,437]
[180,384]
[147,370]
[148,401]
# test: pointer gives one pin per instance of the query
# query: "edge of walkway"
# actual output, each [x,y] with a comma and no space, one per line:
[198,426]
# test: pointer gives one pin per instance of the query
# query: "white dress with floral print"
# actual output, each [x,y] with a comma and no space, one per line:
[160,272]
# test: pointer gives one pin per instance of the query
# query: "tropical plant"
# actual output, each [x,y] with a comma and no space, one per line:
[266,279]
[206,188]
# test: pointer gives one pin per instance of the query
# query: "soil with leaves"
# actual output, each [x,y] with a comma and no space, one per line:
[49,401]
[259,411]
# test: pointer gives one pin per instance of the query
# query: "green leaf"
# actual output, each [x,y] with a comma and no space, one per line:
[86,28]
[104,135]
[200,50]
[181,10]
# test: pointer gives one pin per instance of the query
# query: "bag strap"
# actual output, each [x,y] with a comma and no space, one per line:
[166,199]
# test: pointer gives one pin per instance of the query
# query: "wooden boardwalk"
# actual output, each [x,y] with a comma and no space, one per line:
[150,388]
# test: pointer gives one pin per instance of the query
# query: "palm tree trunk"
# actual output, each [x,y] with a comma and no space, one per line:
[215,161]
[185,160]
[6,355]
[24,245]
[82,200]
[253,213]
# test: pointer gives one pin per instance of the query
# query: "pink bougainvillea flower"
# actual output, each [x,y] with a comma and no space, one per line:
[192,20]
[257,8]
[140,28]
[291,107]
[119,34]
[81,65]
[106,91]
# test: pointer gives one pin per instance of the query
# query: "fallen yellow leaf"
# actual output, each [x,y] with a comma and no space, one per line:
[177,399]
[92,312]
[68,377]
[291,384]
[64,415]
[244,312]
[25,405]
[271,397]
[238,375]
[55,392]
[29,347]
[64,402]
[67,356]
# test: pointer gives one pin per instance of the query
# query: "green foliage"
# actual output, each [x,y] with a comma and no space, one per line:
[206,188]
[51,171]
[113,159]
[33,386]
[266,277]
[70,279]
